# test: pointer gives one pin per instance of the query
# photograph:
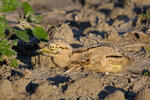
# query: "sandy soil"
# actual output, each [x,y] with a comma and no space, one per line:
[82,22]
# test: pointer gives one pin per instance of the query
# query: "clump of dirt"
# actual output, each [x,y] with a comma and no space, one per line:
[82,23]
[62,31]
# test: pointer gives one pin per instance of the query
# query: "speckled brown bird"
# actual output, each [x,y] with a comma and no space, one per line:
[100,57]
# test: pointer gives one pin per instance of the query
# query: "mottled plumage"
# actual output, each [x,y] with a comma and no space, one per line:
[100,57]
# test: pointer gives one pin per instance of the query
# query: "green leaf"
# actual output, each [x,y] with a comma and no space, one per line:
[14,63]
[141,17]
[4,44]
[4,22]
[9,52]
[35,18]
[40,33]
[2,29]
[148,15]
[1,59]
[3,18]
[27,8]
[14,42]
[22,35]
[9,5]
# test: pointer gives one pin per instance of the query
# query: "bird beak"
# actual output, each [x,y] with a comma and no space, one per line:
[44,51]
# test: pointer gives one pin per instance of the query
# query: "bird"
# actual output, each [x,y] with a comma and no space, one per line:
[59,50]
[101,57]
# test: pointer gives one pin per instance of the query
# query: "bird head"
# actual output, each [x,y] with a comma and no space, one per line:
[56,46]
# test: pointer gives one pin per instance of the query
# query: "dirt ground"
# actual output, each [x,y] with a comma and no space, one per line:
[83,22]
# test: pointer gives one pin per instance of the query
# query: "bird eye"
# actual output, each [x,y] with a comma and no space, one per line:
[53,47]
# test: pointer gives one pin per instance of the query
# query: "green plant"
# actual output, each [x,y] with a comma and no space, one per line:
[29,13]
[147,49]
[144,16]
[145,73]
[9,5]
[7,54]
